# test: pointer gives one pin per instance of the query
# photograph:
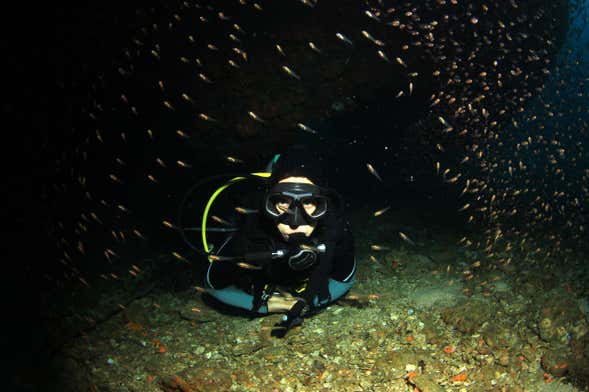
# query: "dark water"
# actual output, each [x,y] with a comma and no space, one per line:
[488,138]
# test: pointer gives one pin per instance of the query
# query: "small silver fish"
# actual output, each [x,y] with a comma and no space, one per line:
[344,38]
[243,210]
[290,72]
[383,56]
[205,117]
[220,220]
[375,41]
[280,50]
[204,78]
[306,128]
[381,211]
[314,47]
[405,238]
[255,116]
[248,266]
[233,159]
[373,171]
[371,15]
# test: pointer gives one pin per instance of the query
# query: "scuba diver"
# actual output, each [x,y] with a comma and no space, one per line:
[292,251]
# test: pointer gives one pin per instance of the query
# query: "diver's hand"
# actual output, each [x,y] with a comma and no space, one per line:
[281,303]
[292,318]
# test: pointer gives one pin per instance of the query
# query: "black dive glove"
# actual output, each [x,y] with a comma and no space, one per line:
[295,316]
[317,287]
[292,318]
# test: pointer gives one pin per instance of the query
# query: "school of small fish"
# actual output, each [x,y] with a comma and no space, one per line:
[514,154]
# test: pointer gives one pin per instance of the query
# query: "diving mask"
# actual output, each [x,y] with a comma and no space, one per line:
[296,204]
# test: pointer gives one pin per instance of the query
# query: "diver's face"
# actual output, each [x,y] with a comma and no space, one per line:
[285,229]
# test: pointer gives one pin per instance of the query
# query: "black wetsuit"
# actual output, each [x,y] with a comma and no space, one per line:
[326,281]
